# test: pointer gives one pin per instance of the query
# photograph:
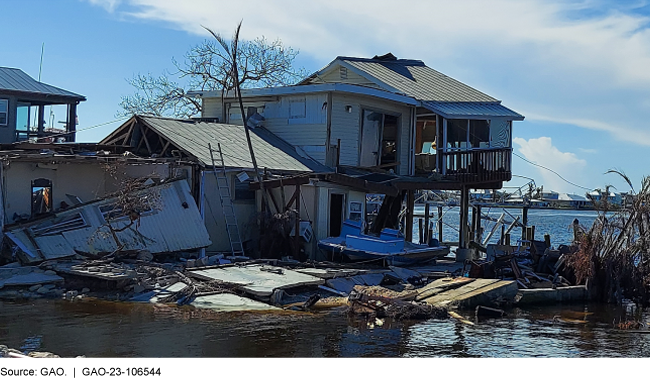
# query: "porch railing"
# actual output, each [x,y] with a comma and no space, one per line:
[480,165]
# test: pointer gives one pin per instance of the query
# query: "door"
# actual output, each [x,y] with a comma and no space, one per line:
[370,138]
[336,214]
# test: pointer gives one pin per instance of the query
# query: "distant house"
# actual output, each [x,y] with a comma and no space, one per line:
[383,120]
[571,201]
[22,99]
[598,196]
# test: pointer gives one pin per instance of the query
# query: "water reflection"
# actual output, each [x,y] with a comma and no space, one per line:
[113,329]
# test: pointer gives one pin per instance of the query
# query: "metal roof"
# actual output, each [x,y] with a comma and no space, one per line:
[471,110]
[436,91]
[270,151]
[413,78]
[15,80]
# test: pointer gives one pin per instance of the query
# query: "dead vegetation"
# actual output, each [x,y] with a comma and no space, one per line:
[613,255]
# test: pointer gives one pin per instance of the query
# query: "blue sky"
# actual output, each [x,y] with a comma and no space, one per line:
[578,70]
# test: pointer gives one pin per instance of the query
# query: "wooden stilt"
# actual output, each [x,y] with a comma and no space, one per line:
[410,202]
[427,235]
[440,223]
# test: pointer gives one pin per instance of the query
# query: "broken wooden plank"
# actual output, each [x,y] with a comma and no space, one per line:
[501,291]
[440,285]
[448,296]
[488,312]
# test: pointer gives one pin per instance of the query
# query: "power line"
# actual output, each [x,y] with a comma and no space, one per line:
[79,130]
[552,171]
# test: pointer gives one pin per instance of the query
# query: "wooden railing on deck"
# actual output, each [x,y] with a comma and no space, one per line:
[480,165]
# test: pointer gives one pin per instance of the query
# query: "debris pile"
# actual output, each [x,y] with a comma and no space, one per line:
[614,254]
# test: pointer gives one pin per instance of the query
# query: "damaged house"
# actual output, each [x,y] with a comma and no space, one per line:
[220,170]
[59,200]
[388,126]
[328,147]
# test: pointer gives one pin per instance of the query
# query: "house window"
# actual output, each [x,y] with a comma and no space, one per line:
[297,108]
[242,191]
[457,134]
[479,134]
[4,107]
[41,196]
[466,134]
[355,211]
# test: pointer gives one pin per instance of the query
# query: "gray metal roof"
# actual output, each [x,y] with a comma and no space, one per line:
[471,110]
[15,80]
[270,151]
[413,78]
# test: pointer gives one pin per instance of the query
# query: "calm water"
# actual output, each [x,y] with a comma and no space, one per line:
[113,329]
[557,223]
[105,329]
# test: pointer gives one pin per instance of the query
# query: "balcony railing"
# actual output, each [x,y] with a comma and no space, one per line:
[480,165]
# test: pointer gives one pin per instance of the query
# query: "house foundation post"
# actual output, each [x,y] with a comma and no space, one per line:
[410,203]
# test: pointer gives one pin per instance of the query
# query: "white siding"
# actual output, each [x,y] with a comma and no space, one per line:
[346,126]
[212,108]
[351,78]
[215,223]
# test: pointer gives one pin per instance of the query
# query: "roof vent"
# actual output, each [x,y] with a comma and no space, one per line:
[205,119]
[387,57]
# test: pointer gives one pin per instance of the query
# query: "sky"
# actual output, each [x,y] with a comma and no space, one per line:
[578,70]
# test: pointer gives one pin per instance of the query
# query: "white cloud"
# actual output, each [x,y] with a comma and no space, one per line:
[108,5]
[542,152]
[547,56]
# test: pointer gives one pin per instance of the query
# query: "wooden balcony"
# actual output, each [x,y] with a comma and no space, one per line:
[476,166]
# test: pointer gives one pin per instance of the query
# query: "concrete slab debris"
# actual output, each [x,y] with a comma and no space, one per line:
[330,273]
[256,281]
[227,302]
[559,294]
[29,279]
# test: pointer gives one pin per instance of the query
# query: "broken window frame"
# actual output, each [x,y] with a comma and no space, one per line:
[111,212]
[42,183]
[61,224]
[241,191]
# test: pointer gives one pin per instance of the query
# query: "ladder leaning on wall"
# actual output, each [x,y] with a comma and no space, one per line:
[223,187]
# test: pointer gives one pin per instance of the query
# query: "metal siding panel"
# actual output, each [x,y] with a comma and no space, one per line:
[172,228]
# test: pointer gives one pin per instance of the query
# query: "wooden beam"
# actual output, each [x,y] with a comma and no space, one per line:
[297,223]
[410,204]
[128,135]
[146,140]
[270,184]
[358,183]
[164,149]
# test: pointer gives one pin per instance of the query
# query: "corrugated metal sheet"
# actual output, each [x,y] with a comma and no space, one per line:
[471,110]
[174,224]
[270,151]
[16,80]
[414,79]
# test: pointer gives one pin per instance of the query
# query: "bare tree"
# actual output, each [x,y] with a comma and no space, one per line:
[207,66]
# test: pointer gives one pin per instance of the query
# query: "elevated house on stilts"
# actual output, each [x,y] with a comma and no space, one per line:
[386,126]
